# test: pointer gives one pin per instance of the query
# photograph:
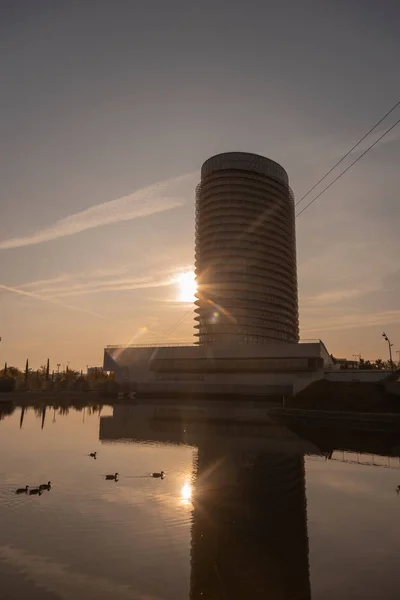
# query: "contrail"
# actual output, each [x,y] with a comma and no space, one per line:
[159,197]
[83,283]
[14,290]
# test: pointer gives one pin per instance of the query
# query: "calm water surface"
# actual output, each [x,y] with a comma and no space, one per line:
[242,513]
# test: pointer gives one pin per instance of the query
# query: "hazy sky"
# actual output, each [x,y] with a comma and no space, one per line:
[107,111]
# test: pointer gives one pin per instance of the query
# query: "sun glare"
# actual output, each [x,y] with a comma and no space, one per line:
[187,286]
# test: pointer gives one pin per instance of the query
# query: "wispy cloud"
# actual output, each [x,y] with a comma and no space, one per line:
[335,296]
[65,278]
[110,285]
[101,280]
[36,296]
[142,203]
[391,137]
[348,320]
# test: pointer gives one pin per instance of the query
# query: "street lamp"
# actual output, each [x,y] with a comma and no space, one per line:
[390,349]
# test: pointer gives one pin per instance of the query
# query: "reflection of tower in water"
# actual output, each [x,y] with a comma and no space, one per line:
[249,520]
[249,531]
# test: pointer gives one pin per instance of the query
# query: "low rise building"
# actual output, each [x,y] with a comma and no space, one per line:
[275,369]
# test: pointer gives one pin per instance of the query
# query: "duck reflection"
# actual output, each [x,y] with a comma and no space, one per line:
[249,518]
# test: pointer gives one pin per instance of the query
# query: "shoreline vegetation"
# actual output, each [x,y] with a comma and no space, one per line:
[322,395]
[355,397]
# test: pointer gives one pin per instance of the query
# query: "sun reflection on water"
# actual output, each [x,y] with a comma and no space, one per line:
[186,493]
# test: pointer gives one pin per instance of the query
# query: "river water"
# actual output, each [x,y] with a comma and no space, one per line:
[242,513]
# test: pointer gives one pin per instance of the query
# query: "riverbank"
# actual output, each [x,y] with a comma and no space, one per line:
[354,397]
[41,399]
[340,397]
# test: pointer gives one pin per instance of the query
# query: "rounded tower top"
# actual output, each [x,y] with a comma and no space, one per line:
[244,161]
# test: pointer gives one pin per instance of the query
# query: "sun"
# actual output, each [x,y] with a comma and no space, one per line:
[187,286]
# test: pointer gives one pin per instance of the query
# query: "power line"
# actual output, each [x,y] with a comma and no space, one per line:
[348,168]
[178,322]
[349,152]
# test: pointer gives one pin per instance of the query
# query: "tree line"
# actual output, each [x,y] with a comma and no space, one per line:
[377,364]
[44,373]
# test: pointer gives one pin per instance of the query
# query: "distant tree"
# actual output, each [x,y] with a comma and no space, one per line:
[71,375]
[98,375]
[42,370]
[367,365]
[389,365]
[14,372]
[379,364]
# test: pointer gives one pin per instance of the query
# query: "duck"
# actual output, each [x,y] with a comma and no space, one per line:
[161,475]
[22,490]
[45,486]
[35,491]
[113,477]
[93,454]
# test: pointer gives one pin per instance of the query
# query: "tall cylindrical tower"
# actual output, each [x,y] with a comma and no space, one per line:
[245,252]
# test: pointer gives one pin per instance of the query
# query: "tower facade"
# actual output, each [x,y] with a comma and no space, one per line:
[245,256]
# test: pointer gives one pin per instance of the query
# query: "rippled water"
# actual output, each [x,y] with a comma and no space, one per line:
[241,512]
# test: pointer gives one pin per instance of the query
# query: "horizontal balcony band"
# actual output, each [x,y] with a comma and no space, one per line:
[246,195]
[258,310]
[245,250]
[246,226]
[223,338]
[244,174]
[261,269]
[231,288]
[210,259]
[256,313]
[281,283]
[268,247]
[218,185]
[244,209]
[280,334]
[243,230]
[239,178]
[274,323]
